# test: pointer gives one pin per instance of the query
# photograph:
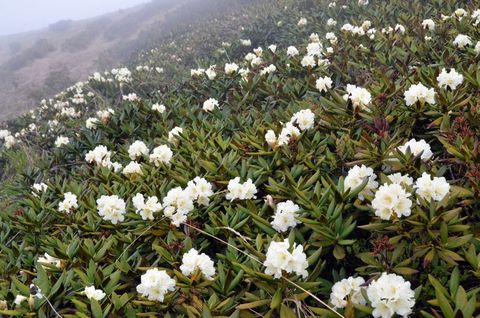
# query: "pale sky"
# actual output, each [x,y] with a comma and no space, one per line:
[25,15]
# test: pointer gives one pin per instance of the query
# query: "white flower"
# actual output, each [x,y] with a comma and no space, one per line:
[391,199]
[111,208]
[399,28]
[324,83]
[292,51]
[272,48]
[419,93]
[347,289]
[161,154]
[93,293]
[172,134]
[431,189]
[390,295]
[91,123]
[133,168]
[122,75]
[137,149]
[210,104]
[192,261]
[177,204]
[210,72]
[285,216]
[398,178]
[250,56]
[39,188]
[477,48]
[356,176]
[132,97]
[305,119]
[19,299]
[360,97]
[146,208]
[241,191]
[69,112]
[100,155]
[10,141]
[230,68]
[451,79]
[460,13]
[461,41]
[258,51]
[117,166]
[308,61]
[4,133]
[105,115]
[197,72]
[288,131]
[314,49]
[280,259]
[428,24]
[330,36]
[245,42]
[155,284]
[159,108]
[417,147]
[270,138]
[69,203]
[268,70]
[256,61]
[50,260]
[61,140]
[302,22]
[200,190]
[331,22]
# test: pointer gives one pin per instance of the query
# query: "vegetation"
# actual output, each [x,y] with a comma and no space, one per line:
[321,161]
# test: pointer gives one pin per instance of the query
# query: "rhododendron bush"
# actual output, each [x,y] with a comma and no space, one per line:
[324,164]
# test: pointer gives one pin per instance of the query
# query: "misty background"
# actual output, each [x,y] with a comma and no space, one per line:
[18,16]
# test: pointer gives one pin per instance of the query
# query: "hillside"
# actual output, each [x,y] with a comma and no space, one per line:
[289,158]
[36,65]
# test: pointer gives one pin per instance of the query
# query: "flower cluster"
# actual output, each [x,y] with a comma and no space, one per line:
[69,203]
[177,204]
[192,261]
[285,216]
[100,155]
[137,149]
[93,293]
[449,79]
[241,191]
[304,119]
[155,284]
[161,154]
[280,259]
[431,189]
[200,190]
[356,176]
[147,207]
[416,148]
[390,295]
[419,93]
[348,289]
[359,96]
[391,199]
[111,208]
[323,83]
[210,104]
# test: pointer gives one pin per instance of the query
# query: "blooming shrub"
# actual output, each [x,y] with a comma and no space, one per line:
[338,178]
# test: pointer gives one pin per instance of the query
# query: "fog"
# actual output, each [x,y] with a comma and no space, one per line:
[18,16]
